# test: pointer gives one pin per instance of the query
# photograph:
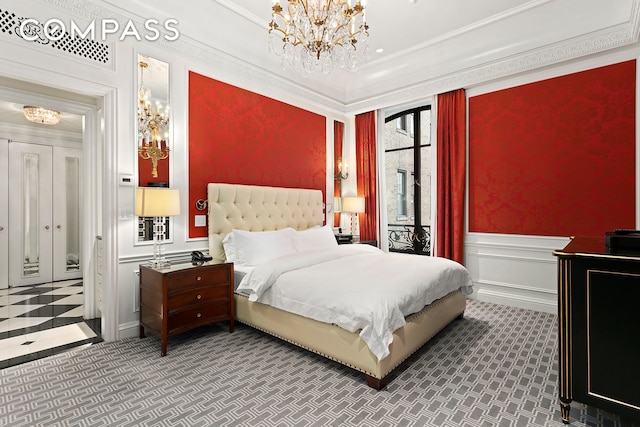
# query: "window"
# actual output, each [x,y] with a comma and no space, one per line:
[407,138]
[402,195]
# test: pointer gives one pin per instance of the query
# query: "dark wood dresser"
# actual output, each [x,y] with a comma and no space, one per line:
[599,326]
[181,297]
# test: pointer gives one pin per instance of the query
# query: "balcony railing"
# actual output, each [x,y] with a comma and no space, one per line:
[403,238]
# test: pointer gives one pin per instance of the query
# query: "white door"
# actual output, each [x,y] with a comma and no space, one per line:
[44,214]
[30,207]
[4,214]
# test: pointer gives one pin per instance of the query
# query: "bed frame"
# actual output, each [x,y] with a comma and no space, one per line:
[257,208]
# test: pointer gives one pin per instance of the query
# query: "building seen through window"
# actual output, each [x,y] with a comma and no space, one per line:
[407,137]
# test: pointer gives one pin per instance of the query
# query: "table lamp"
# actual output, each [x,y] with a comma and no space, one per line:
[158,203]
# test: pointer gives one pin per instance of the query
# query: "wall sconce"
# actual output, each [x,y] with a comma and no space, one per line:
[343,170]
[151,122]
[159,203]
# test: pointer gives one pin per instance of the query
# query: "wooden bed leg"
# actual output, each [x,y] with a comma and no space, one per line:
[460,316]
[376,383]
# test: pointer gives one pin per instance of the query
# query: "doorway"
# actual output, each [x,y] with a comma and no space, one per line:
[48,303]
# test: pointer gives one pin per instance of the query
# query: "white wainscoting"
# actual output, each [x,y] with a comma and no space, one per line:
[519,271]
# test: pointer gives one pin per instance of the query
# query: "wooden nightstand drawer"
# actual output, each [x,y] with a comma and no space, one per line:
[197,315]
[198,296]
[187,279]
[181,297]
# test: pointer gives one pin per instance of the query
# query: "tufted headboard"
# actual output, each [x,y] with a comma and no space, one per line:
[258,208]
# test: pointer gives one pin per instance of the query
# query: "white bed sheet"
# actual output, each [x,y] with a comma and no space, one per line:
[357,287]
[239,271]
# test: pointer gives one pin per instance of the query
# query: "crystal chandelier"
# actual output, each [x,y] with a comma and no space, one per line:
[318,35]
[41,115]
[151,122]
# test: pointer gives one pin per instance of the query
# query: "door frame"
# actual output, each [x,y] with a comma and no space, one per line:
[100,165]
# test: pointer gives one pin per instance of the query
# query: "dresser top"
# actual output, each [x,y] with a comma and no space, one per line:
[594,246]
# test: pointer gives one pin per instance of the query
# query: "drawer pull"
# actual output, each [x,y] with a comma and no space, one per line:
[198,278]
[198,315]
[199,296]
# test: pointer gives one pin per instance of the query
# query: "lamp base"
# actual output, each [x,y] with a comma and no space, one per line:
[158,263]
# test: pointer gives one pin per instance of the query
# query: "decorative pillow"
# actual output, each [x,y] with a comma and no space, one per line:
[250,248]
[316,238]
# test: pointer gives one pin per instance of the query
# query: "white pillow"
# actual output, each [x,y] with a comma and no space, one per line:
[250,248]
[316,238]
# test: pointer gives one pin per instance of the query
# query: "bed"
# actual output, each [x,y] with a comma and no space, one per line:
[258,209]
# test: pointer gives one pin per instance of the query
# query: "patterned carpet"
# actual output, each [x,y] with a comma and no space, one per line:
[497,367]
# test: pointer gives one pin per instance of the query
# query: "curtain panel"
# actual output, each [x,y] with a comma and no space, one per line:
[451,169]
[366,173]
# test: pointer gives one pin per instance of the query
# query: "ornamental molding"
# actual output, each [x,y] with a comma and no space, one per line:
[187,47]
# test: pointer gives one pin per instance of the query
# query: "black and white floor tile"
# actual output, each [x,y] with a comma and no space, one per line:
[41,320]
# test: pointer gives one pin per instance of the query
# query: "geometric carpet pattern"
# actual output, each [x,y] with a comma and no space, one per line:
[496,367]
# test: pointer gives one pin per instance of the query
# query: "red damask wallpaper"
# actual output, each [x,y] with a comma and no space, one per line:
[555,157]
[240,137]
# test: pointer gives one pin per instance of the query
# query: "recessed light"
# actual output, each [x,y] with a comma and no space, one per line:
[413,1]
[379,50]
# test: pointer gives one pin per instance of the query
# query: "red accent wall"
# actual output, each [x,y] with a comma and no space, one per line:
[555,157]
[239,137]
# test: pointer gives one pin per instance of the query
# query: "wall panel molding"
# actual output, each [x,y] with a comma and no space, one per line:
[514,270]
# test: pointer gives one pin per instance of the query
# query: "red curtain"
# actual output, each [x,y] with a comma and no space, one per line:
[338,136]
[451,175]
[366,173]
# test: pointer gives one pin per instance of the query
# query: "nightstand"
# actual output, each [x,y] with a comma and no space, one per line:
[344,239]
[182,297]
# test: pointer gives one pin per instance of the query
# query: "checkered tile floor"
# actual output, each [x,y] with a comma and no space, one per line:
[37,321]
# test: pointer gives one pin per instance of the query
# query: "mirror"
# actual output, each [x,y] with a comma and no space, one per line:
[339,174]
[31,189]
[152,128]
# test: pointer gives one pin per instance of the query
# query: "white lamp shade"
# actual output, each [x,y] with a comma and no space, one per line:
[353,204]
[157,201]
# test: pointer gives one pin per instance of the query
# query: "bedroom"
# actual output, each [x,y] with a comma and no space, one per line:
[514,268]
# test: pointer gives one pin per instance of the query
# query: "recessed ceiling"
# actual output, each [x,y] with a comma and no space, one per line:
[422,41]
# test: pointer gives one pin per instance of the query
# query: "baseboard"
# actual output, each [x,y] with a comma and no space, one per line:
[514,298]
[129,330]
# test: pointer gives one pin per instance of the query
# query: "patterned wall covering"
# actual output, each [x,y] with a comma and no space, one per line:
[555,157]
[239,137]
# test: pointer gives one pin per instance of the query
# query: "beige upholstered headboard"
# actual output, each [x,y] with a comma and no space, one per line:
[257,208]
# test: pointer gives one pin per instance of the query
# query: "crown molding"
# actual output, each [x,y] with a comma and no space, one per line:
[598,42]
[554,54]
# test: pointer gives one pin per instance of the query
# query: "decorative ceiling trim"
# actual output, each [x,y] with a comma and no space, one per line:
[538,58]
[200,52]
[452,34]
[185,46]
[229,4]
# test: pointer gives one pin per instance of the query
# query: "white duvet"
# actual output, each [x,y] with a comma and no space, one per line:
[357,287]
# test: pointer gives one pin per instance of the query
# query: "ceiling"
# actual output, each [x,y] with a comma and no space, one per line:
[423,40]
[429,46]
